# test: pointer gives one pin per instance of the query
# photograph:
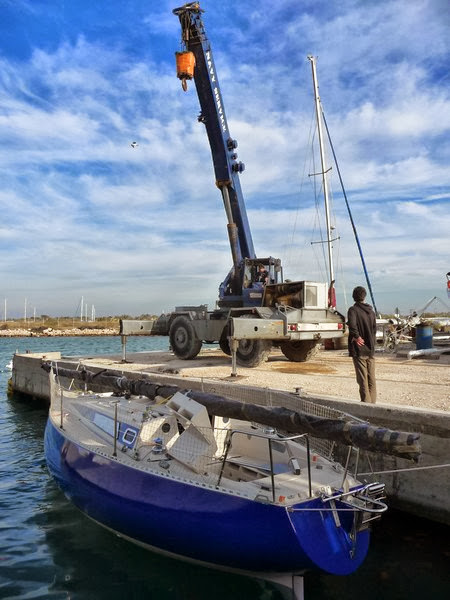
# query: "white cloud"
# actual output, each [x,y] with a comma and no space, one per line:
[144,228]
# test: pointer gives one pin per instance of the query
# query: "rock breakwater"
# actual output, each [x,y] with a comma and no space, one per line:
[50,332]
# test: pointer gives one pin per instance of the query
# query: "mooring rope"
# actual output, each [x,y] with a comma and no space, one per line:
[404,470]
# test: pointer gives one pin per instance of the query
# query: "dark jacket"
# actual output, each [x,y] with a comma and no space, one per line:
[361,322]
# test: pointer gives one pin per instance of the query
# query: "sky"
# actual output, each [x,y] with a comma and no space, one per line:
[137,230]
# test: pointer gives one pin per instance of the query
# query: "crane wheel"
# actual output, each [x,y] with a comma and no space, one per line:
[251,353]
[300,351]
[224,344]
[183,339]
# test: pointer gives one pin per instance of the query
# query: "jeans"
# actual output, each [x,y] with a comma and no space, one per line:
[365,376]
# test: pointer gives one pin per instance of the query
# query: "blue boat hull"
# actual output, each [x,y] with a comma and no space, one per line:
[201,524]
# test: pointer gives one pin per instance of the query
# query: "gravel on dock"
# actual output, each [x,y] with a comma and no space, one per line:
[420,383]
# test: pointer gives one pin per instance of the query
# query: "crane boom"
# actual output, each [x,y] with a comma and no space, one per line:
[212,115]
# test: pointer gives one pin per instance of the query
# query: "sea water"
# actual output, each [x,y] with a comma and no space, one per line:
[48,549]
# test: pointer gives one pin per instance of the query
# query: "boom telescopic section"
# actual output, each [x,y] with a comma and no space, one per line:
[196,61]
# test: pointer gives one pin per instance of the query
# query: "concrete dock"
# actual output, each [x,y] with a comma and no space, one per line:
[422,489]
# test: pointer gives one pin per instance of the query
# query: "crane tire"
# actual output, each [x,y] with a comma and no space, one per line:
[224,344]
[183,339]
[299,351]
[251,353]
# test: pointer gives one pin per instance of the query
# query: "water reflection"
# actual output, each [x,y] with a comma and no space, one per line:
[90,562]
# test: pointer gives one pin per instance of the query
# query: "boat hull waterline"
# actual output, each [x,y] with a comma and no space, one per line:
[199,523]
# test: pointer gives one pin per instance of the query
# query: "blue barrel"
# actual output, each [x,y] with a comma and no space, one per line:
[424,338]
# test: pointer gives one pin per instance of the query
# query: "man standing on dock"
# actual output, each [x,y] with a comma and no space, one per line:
[362,326]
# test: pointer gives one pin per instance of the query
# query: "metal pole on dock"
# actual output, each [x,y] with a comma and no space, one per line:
[233,347]
[123,339]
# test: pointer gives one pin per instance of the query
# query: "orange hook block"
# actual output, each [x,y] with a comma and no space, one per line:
[185,66]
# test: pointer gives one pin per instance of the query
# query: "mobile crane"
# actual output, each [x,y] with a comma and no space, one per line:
[253,315]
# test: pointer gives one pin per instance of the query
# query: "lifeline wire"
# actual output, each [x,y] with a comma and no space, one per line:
[404,470]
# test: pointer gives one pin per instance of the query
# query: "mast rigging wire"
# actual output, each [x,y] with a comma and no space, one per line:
[350,214]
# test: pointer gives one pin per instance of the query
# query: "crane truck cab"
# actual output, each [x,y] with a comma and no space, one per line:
[249,288]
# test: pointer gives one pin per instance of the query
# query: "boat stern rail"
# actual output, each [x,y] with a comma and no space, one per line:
[366,501]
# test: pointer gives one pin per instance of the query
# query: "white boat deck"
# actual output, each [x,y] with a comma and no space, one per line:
[175,439]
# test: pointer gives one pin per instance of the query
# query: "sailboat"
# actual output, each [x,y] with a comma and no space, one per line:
[195,476]
[325,169]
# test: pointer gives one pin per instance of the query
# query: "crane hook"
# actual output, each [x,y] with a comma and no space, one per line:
[185,66]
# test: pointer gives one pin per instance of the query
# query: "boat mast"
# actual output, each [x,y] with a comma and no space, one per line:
[324,169]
